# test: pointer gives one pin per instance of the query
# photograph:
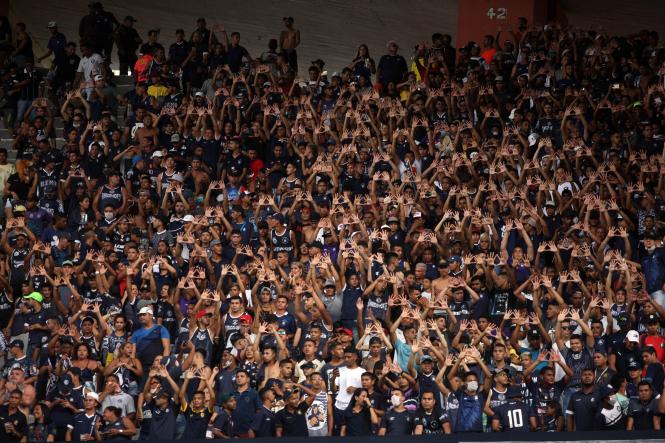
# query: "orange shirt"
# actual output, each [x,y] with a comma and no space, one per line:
[142,67]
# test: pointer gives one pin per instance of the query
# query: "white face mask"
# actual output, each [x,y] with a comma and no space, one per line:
[108,215]
[472,386]
[612,400]
[396,400]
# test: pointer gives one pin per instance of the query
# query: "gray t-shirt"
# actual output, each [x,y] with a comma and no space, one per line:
[333,305]
[123,401]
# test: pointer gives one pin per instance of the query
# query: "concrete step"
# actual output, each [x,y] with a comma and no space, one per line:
[123,89]
[7,144]
[123,80]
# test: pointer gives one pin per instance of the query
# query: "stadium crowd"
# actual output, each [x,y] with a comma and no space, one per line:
[467,239]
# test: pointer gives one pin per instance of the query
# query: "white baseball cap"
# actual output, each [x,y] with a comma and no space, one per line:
[633,336]
[145,310]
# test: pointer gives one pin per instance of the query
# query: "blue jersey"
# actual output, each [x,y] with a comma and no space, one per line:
[513,416]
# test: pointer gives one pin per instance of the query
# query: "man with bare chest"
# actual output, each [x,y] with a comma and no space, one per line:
[289,40]
[441,284]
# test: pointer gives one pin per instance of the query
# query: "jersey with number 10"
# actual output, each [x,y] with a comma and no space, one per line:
[514,416]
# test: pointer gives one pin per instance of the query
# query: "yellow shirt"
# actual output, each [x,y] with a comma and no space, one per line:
[158,91]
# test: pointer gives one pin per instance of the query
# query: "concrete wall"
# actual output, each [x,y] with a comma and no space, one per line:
[330,29]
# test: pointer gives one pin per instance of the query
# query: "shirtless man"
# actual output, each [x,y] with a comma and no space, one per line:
[148,131]
[441,284]
[200,176]
[289,40]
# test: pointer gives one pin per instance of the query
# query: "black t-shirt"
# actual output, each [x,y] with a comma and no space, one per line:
[642,414]
[393,68]
[161,423]
[236,163]
[196,422]
[67,68]
[18,186]
[625,356]
[293,424]
[235,56]
[224,423]
[38,337]
[398,423]
[17,419]
[359,424]
[378,400]
[542,394]
[583,408]
[60,416]
[166,312]
[426,383]
[431,422]
[263,424]
[178,52]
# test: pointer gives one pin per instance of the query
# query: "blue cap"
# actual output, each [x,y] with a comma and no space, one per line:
[425,358]
[514,391]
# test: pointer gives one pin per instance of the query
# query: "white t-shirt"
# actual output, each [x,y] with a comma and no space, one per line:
[90,66]
[347,377]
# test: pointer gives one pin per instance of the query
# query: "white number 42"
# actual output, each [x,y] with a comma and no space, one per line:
[498,13]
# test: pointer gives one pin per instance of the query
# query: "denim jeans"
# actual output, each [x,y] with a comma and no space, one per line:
[180,425]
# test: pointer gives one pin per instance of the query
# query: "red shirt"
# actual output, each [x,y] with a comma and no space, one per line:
[256,165]
[488,54]
[658,343]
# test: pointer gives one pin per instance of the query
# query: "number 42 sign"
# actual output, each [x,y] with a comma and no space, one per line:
[497,13]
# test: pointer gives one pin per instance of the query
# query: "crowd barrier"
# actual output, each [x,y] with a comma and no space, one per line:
[540,437]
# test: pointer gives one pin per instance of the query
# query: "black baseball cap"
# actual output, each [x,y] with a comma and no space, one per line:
[652,318]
